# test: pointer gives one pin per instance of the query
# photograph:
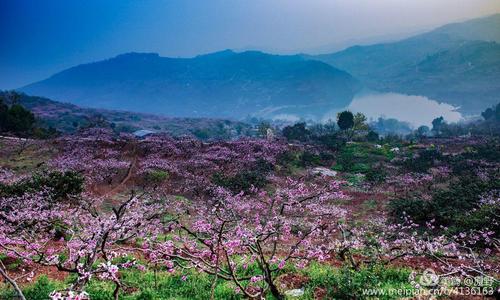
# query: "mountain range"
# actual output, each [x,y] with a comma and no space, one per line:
[223,84]
[457,64]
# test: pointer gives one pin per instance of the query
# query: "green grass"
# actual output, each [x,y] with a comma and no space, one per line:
[344,283]
[360,157]
[354,179]
[338,283]
[39,290]
[162,285]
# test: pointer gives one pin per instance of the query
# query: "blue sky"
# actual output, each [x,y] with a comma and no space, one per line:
[41,37]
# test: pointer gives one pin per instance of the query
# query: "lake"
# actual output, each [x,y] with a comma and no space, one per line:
[416,110]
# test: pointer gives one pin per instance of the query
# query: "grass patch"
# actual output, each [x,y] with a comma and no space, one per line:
[336,283]
[344,283]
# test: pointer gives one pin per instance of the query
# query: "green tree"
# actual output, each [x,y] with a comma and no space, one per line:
[19,119]
[372,136]
[437,124]
[488,113]
[4,109]
[345,120]
[296,132]
[360,122]
[422,131]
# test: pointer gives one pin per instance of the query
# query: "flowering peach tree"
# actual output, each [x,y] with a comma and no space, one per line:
[82,239]
[268,229]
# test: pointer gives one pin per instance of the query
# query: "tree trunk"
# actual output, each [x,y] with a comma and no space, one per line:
[269,279]
[13,283]
[116,292]
[274,290]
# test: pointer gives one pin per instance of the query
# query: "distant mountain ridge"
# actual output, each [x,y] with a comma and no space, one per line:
[222,84]
[456,63]
[417,65]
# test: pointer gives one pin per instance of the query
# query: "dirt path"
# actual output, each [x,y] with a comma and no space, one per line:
[130,172]
[122,184]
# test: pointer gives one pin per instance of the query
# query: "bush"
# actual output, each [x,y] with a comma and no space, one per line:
[417,209]
[345,160]
[489,151]
[422,161]
[60,185]
[485,216]
[244,180]
[375,175]
[155,177]
[456,206]
[331,141]
[360,168]
[18,119]
[309,159]
[372,136]
[297,132]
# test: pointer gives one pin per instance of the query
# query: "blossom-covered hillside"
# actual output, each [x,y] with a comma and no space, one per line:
[100,215]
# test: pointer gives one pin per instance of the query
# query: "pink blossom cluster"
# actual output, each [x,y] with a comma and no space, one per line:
[98,157]
[231,231]
[191,163]
[37,229]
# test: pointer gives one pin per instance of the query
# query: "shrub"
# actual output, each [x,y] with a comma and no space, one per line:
[246,179]
[242,181]
[372,136]
[60,185]
[456,206]
[360,168]
[331,141]
[155,177]
[288,158]
[485,216]
[375,175]
[417,209]
[297,132]
[489,151]
[346,160]
[303,159]
[422,161]
[309,159]
[19,119]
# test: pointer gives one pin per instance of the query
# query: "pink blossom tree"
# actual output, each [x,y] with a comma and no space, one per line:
[82,239]
[230,232]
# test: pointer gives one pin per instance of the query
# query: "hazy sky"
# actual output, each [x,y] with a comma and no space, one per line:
[41,37]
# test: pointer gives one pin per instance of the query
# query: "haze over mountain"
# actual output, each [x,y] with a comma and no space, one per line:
[222,84]
[457,63]
[40,38]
